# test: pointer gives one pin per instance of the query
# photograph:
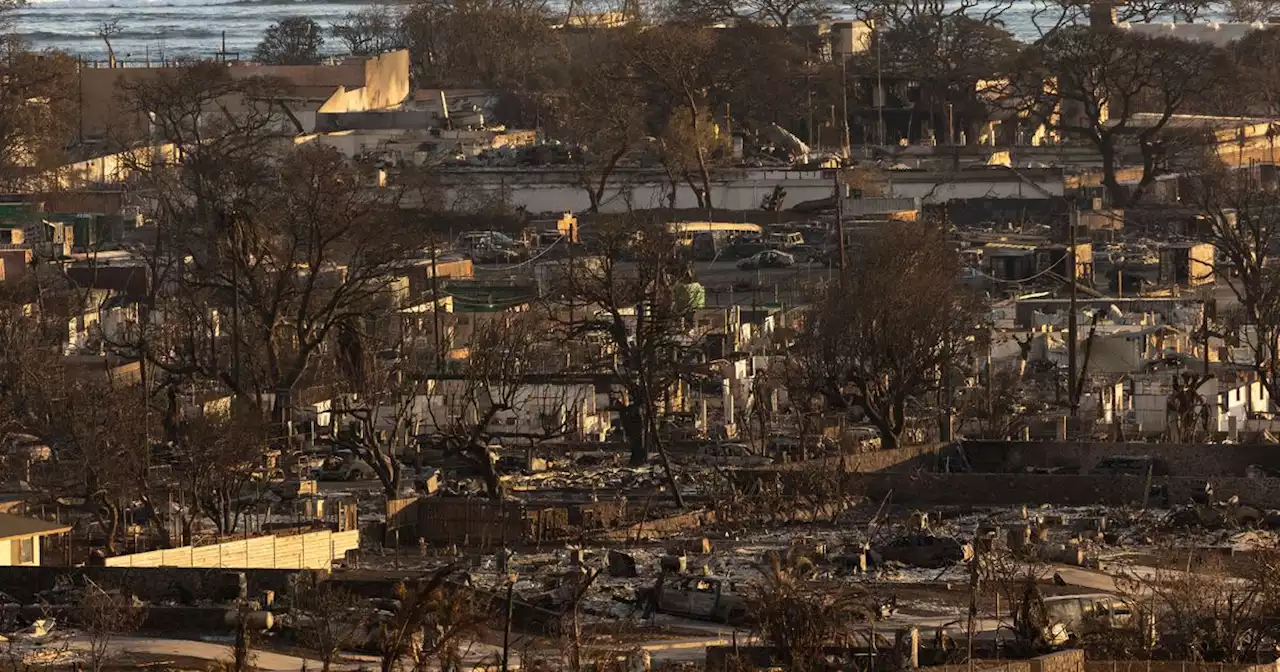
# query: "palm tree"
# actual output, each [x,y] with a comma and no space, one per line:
[798,613]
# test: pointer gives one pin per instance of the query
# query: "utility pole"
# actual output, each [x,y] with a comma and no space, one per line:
[808,85]
[436,307]
[839,196]
[880,92]
[1204,329]
[506,630]
[844,105]
[1073,219]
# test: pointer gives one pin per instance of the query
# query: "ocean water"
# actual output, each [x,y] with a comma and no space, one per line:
[156,30]
[167,29]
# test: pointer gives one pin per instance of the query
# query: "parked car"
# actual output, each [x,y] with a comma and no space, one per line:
[705,597]
[487,247]
[1077,615]
[471,239]
[746,246]
[491,254]
[815,255]
[767,259]
[784,239]
[730,455]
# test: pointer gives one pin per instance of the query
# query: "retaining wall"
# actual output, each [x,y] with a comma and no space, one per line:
[929,457]
[1172,666]
[183,585]
[486,524]
[1071,660]
[925,489]
[309,550]
[1195,459]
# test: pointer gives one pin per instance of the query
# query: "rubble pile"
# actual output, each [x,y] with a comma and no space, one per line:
[594,478]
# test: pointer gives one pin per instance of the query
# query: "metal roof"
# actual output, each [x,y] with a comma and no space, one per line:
[15,527]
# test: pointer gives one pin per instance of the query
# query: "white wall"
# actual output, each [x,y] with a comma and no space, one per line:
[1151,399]
[735,195]
[1239,402]
[444,403]
[9,559]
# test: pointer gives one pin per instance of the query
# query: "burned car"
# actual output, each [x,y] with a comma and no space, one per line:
[1072,616]
[709,598]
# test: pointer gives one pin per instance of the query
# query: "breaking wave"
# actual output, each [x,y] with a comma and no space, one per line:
[45,37]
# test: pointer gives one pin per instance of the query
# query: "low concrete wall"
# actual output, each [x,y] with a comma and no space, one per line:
[728,657]
[926,489]
[929,457]
[996,489]
[183,585]
[309,550]
[1061,661]
[1189,460]
[483,523]
[1172,666]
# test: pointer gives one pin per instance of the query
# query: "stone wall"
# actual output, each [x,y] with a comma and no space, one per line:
[1192,460]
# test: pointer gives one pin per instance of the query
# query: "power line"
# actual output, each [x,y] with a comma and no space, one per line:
[530,260]
[1025,280]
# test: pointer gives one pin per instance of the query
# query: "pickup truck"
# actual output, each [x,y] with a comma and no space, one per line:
[703,597]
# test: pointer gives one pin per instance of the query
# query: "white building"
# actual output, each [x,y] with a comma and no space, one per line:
[20,539]
[1218,34]
[1229,405]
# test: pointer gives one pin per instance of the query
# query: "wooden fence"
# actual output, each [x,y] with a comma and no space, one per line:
[310,550]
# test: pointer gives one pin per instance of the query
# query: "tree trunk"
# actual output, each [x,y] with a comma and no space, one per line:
[650,421]
[113,524]
[634,428]
[596,191]
[1117,192]
[156,523]
[241,660]
[479,454]
[890,436]
[386,468]
[1148,173]
[283,405]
